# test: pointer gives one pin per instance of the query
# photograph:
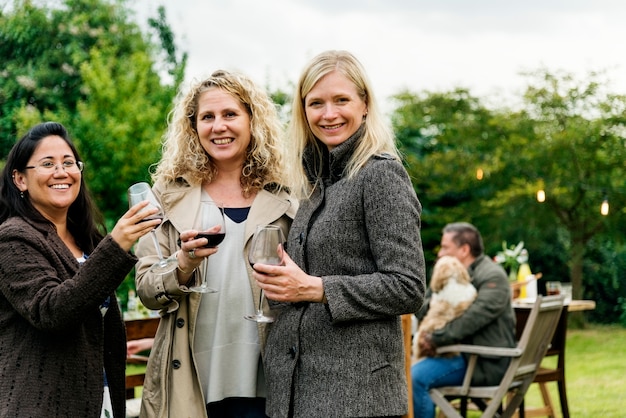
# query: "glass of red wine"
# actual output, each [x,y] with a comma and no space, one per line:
[266,248]
[210,225]
[139,192]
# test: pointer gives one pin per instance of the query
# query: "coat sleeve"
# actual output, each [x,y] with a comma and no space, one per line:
[421,313]
[44,284]
[395,285]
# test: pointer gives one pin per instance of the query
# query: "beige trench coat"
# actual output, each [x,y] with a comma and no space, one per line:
[172,387]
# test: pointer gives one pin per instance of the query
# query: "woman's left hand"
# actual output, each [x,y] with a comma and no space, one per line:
[288,283]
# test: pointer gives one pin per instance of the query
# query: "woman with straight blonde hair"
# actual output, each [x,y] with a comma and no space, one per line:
[377,137]
[354,259]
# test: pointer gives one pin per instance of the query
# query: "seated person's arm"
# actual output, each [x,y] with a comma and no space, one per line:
[137,346]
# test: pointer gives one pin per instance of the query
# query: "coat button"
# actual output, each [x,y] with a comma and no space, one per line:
[180,322]
[176,364]
[292,352]
[301,237]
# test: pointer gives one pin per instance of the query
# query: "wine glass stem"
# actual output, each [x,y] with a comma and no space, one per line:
[260,310]
[156,245]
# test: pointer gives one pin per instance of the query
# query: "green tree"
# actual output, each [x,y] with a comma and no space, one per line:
[87,64]
[572,145]
[567,138]
[445,139]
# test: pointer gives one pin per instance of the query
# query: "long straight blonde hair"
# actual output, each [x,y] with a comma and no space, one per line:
[377,139]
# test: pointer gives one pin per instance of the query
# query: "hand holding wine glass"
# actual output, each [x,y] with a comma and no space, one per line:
[127,230]
[138,193]
[266,248]
[211,226]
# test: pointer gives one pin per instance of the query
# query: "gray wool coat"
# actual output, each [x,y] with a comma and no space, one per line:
[361,235]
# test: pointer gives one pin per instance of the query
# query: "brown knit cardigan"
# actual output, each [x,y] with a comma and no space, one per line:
[54,341]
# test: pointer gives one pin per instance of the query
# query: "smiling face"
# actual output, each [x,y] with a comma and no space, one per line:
[53,193]
[223,126]
[334,109]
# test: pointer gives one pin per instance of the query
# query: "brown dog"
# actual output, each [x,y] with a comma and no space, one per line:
[452,294]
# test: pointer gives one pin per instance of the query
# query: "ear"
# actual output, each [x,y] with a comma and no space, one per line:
[465,250]
[19,179]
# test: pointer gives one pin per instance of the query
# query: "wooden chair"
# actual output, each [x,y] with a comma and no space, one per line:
[545,375]
[135,330]
[525,362]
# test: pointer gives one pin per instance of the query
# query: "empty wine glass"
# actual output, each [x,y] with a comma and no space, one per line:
[266,248]
[210,215]
[138,193]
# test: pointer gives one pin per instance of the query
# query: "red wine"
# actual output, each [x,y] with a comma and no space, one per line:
[214,239]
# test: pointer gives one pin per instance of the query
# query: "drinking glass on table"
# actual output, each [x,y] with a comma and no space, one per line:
[210,224]
[566,289]
[138,193]
[553,288]
[266,248]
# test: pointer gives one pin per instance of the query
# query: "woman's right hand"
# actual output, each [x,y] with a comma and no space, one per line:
[129,229]
[192,252]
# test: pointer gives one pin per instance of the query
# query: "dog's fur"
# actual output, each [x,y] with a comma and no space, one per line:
[452,294]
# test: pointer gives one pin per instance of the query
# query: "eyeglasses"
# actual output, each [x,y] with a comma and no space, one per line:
[48,167]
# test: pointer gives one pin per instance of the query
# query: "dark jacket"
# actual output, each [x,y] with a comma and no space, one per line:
[489,321]
[54,342]
[361,235]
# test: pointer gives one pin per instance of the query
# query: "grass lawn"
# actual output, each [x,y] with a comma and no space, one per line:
[135,368]
[595,373]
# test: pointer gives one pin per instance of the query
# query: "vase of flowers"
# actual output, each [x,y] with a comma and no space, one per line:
[511,257]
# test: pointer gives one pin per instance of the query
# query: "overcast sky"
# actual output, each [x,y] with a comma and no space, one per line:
[435,45]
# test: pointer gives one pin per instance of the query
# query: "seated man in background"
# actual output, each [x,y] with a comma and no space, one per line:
[489,321]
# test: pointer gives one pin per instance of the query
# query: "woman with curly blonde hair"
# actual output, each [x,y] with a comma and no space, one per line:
[223,144]
[183,154]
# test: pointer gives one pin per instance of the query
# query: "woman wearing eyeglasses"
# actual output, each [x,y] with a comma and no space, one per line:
[62,338]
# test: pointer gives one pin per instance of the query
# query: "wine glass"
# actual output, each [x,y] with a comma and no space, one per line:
[266,248]
[209,216]
[138,193]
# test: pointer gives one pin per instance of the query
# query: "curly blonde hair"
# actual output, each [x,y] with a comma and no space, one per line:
[378,137]
[183,155]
